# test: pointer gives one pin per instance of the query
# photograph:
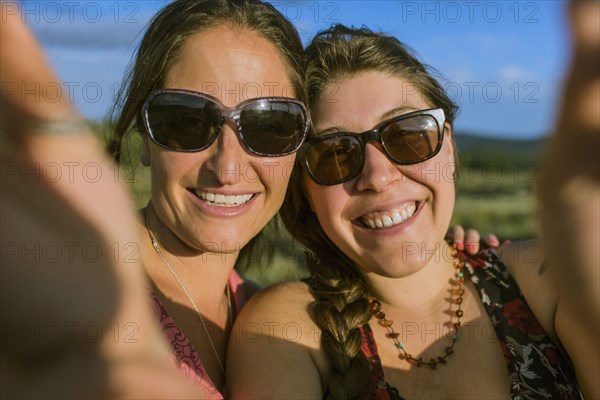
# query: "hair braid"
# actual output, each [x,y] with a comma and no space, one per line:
[341,305]
[340,308]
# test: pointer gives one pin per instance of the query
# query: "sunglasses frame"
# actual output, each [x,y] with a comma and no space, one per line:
[232,113]
[373,135]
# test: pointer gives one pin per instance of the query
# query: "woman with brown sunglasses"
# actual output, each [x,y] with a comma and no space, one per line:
[391,310]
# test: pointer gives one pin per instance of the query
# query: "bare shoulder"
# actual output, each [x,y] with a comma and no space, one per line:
[281,311]
[283,300]
[273,331]
[525,261]
[294,290]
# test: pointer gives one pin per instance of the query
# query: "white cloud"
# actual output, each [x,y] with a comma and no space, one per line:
[514,73]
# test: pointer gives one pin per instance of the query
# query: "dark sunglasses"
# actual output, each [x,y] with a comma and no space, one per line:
[406,139]
[189,121]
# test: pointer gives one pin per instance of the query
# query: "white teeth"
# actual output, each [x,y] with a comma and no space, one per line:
[387,221]
[221,200]
[404,214]
[383,220]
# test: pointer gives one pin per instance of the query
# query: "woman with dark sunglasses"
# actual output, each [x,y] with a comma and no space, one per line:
[216,90]
[391,309]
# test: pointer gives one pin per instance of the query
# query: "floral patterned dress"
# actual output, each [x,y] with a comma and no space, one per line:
[537,368]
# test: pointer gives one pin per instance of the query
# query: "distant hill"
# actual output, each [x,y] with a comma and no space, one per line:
[506,152]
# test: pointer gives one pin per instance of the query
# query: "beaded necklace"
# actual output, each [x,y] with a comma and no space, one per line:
[457,291]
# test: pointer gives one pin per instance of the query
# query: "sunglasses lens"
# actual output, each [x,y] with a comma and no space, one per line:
[273,127]
[412,140]
[183,122]
[335,159]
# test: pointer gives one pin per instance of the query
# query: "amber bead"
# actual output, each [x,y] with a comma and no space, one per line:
[386,323]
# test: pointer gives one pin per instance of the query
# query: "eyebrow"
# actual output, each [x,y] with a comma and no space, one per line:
[386,115]
[396,112]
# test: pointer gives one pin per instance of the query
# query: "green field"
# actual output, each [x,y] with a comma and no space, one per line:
[495,193]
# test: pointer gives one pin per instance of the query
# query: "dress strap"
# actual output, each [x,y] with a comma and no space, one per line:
[381,390]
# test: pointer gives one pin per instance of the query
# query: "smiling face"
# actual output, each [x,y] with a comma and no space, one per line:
[217,199]
[389,218]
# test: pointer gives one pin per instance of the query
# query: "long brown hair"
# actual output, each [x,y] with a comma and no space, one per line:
[341,304]
[162,43]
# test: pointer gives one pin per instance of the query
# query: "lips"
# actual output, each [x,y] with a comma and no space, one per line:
[222,200]
[389,218]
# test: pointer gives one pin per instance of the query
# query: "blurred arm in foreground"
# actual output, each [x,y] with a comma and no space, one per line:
[570,201]
[74,318]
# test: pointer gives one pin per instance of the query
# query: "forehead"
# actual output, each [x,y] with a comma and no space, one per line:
[231,64]
[359,102]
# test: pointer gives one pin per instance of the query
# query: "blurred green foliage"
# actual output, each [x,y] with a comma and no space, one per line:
[495,194]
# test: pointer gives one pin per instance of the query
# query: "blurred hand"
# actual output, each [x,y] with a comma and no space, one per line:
[570,200]
[74,304]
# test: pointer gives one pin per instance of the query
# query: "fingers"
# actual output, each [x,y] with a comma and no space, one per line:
[490,240]
[456,235]
[472,239]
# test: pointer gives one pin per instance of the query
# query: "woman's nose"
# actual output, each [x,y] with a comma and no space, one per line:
[378,172]
[228,155]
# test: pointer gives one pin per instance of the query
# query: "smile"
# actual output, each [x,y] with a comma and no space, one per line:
[388,219]
[222,200]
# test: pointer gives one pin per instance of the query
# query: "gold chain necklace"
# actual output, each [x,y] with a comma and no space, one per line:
[456,290]
[183,288]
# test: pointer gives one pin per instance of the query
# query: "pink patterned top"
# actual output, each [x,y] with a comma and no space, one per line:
[183,353]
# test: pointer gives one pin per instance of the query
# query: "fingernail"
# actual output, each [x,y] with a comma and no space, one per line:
[470,247]
[460,245]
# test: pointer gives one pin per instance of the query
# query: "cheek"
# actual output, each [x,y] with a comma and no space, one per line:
[327,203]
[435,172]
[169,167]
[274,175]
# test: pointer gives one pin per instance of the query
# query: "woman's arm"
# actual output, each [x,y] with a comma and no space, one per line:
[560,277]
[74,311]
[570,201]
[273,347]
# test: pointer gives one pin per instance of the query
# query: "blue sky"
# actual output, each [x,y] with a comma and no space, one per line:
[502,61]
